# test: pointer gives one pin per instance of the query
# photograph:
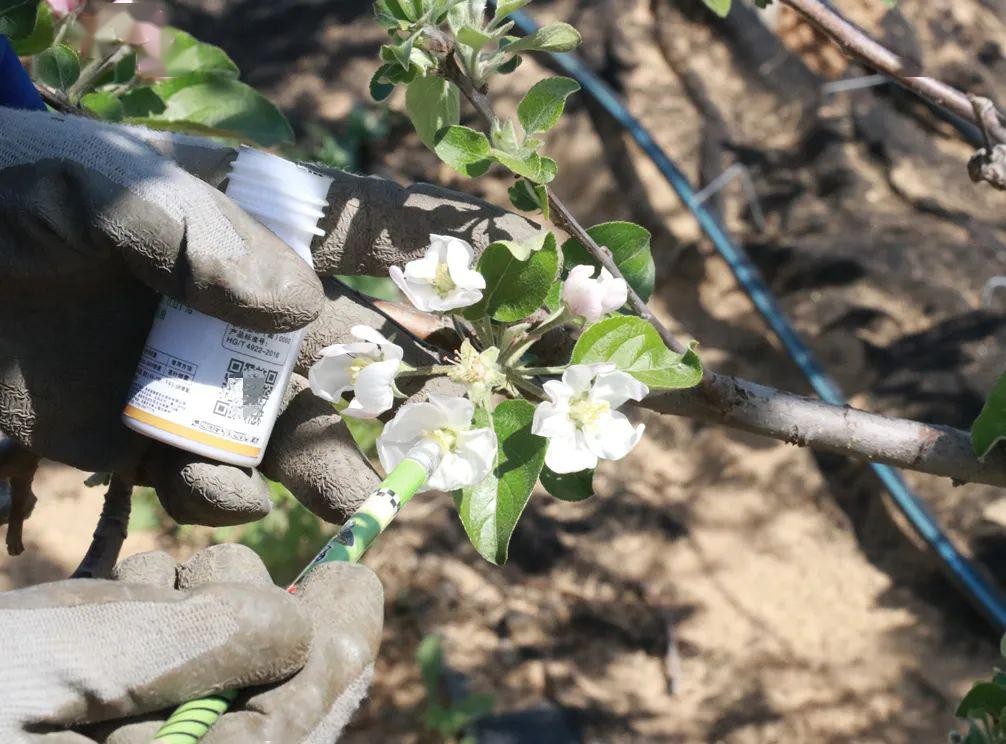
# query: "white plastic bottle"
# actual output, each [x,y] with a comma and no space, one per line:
[207,386]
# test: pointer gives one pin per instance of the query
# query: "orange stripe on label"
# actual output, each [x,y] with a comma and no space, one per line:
[195,435]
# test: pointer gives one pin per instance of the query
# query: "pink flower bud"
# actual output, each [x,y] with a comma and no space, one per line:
[61,8]
[593,298]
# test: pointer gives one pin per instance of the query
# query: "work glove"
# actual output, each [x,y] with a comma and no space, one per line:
[111,659]
[98,220]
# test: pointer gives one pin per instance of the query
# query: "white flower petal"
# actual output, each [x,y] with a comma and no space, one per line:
[411,422]
[424,269]
[551,421]
[421,295]
[616,387]
[329,377]
[559,392]
[438,247]
[569,454]
[456,412]
[614,438]
[470,463]
[450,474]
[366,333]
[373,394]
[391,453]
[458,254]
[579,377]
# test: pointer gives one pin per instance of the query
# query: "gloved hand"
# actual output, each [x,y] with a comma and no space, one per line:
[111,659]
[95,225]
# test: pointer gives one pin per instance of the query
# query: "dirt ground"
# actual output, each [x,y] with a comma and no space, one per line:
[720,587]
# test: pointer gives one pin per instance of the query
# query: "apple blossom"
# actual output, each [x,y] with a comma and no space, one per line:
[580,419]
[367,367]
[443,278]
[479,371]
[468,454]
[593,298]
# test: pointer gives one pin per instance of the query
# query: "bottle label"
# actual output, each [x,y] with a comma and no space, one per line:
[209,381]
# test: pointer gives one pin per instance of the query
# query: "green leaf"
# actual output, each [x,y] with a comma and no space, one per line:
[515,288]
[489,510]
[555,37]
[506,7]
[183,53]
[984,698]
[464,149]
[379,88]
[510,65]
[522,249]
[401,10]
[634,346]
[473,37]
[125,69]
[554,297]
[209,101]
[141,102]
[990,426]
[719,7]
[529,197]
[432,103]
[630,249]
[58,66]
[533,167]
[17,18]
[568,486]
[104,105]
[41,36]
[541,108]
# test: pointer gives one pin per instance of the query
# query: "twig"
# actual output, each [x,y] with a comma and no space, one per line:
[94,70]
[562,216]
[806,422]
[58,100]
[113,524]
[858,44]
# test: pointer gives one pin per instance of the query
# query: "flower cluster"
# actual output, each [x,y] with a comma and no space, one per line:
[577,415]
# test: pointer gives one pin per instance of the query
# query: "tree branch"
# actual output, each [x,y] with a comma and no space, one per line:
[858,44]
[806,422]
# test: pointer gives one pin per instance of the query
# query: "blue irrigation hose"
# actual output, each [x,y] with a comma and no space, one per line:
[986,596]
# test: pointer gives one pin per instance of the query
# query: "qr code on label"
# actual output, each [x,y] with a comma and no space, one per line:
[246,389]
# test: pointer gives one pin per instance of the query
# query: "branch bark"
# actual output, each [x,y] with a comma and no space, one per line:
[807,422]
[859,45]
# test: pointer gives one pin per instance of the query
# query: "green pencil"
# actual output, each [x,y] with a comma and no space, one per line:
[191,720]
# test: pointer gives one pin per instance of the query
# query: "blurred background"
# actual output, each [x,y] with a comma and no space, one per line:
[719,587]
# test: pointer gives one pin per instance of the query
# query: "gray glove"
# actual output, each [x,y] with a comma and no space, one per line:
[95,225]
[112,658]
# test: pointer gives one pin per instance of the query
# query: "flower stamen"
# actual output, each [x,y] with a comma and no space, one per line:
[587,413]
[443,284]
[357,366]
[446,438]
